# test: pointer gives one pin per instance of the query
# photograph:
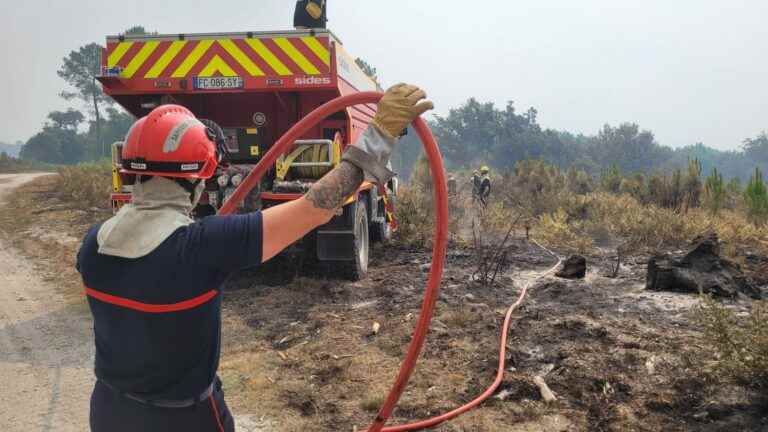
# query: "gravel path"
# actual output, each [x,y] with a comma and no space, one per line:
[46,351]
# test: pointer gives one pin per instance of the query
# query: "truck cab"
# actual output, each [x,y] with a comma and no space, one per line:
[255,86]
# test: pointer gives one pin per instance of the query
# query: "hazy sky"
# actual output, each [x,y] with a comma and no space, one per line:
[689,70]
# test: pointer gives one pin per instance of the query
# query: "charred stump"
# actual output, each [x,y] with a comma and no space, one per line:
[575,267]
[701,270]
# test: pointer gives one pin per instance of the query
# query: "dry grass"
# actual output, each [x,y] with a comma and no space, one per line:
[9,165]
[414,216]
[48,228]
[555,231]
[458,318]
[645,227]
[87,184]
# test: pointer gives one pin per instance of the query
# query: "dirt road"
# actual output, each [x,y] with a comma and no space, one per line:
[46,353]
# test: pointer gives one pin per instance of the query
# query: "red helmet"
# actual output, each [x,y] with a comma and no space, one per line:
[169,142]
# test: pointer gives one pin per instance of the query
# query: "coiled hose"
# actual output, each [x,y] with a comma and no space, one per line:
[438,253]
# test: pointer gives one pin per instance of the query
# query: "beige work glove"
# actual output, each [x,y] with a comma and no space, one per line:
[399,107]
[401,104]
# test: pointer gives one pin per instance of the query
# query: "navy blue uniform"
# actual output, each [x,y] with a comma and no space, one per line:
[157,319]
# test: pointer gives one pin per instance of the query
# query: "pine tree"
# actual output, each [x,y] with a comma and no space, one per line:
[714,192]
[756,199]
[610,179]
[692,184]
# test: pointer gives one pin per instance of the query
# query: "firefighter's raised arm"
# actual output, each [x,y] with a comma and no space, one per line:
[366,159]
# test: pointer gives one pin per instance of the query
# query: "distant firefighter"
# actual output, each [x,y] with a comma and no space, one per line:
[484,190]
[476,181]
[452,185]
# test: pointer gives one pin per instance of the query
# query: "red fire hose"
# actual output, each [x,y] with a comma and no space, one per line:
[438,254]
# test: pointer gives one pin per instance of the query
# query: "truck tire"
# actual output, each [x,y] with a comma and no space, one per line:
[357,268]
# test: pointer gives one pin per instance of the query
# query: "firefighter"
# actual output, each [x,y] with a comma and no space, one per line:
[476,180]
[452,186]
[310,14]
[153,275]
[485,185]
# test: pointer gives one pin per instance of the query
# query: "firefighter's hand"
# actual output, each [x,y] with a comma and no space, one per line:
[401,104]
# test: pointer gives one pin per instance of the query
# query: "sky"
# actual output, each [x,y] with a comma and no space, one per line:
[688,70]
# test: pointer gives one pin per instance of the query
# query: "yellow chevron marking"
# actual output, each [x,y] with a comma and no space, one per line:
[165,59]
[118,53]
[240,57]
[217,65]
[192,59]
[318,49]
[296,56]
[140,58]
[268,57]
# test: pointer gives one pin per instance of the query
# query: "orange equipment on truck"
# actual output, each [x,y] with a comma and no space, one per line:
[256,85]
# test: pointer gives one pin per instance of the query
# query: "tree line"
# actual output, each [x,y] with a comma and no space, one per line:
[479,133]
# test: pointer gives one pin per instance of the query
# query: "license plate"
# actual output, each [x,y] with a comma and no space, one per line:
[217,83]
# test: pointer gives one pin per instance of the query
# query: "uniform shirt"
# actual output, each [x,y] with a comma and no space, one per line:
[145,346]
[485,186]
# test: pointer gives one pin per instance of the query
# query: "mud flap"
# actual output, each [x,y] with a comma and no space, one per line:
[336,239]
[335,245]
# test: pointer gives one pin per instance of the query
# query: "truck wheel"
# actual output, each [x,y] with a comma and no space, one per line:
[357,268]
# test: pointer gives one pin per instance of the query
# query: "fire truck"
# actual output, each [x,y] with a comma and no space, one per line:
[255,86]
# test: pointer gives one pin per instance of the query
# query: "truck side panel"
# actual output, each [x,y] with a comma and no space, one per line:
[351,79]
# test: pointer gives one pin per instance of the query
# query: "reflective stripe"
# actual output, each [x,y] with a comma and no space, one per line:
[151,308]
[217,65]
[118,53]
[296,56]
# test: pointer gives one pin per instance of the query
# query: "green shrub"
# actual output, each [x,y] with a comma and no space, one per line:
[535,188]
[740,345]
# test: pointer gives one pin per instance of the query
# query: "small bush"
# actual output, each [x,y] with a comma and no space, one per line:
[414,216]
[87,184]
[610,179]
[536,188]
[555,231]
[741,346]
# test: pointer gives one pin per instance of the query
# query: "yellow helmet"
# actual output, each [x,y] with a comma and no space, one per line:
[484,170]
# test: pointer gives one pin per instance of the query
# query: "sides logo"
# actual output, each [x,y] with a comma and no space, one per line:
[312,81]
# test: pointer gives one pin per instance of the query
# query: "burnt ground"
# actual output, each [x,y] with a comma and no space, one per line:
[300,353]
[618,357]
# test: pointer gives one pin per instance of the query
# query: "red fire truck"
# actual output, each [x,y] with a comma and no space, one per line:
[255,86]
